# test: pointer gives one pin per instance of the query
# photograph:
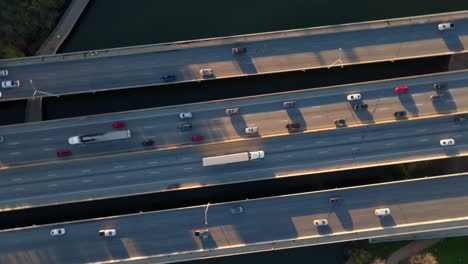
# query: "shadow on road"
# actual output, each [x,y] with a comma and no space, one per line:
[452,41]
[387,221]
[245,63]
[296,116]
[408,103]
[344,217]
[445,104]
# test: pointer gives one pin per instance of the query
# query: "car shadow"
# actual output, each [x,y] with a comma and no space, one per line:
[207,241]
[408,103]
[451,151]
[363,115]
[446,104]
[239,124]
[343,215]
[245,63]
[387,221]
[452,41]
[324,230]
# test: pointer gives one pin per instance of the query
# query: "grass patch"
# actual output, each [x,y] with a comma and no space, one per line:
[451,250]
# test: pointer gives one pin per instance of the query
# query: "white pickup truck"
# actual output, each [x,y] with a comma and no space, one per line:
[233,158]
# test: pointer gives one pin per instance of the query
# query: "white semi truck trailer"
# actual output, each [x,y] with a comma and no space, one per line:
[99,137]
[233,158]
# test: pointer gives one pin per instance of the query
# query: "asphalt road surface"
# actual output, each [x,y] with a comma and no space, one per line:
[154,171]
[412,203]
[379,41]
[316,109]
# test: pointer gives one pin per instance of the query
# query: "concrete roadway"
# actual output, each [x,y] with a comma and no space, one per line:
[265,224]
[316,109]
[288,155]
[365,42]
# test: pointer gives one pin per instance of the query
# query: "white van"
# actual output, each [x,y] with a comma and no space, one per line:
[382,212]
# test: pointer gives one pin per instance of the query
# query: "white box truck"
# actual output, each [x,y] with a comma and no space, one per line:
[99,137]
[232,158]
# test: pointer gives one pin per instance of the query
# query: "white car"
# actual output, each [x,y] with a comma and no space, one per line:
[251,130]
[3,73]
[206,72]
[352,97]
[321,222]
[185,115]
[10,84]
[0,94]
[107,232]
[447,142]
[382,212]
[57,232]
[445,26]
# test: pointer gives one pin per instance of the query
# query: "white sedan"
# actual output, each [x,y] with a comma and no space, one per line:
[251,130]
[445,26]
[10,84]
[57,232]
[185,115]
[352,97]
[206,72]
[107,232]
[321,222]
[447,142]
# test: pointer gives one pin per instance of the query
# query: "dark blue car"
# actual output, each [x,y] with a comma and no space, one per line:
[168,77]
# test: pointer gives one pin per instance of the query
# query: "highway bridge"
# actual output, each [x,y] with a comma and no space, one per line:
[103,170]
[291,50]
[265,224]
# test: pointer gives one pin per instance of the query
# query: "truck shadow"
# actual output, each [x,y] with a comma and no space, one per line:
[452,41]
[446,104]
[408,103]
[296,116]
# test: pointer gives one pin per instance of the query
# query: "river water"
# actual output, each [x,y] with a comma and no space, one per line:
[118,23]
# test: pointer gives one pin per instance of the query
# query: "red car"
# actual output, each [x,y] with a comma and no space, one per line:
[63,153]
[401,89]
[197,138]
[118,124]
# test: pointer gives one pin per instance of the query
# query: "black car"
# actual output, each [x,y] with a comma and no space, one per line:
[340,122]
[168,77]
[239,50]
[360,106]
[440,85]
[185,127]
[436,98]
[293,125]
[147,142]
[459,119]
[400,114]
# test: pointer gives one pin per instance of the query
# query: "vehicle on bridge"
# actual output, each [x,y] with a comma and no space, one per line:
[233,158]
[447,142]
[239,50]
[57,232]
[99,137]
[340,122]
[118,124]
[63,153]
[289,104]
[107,232]
[168,77]
[251,130]
[360,106]
[353,97]
[321,222]
[382,212]
[293,126]
[206,72]
[399,114]
[401,89]
[3,73]
[10,84]
[232,111]
[440,85]
[445,26]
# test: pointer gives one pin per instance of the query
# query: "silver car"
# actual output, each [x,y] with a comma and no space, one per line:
[3,73]
[251,130]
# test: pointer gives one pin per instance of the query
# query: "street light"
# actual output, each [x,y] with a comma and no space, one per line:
[337,61]
[206,213]
[38,91]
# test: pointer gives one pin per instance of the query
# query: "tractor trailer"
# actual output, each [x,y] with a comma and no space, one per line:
[233,158]
[99,137]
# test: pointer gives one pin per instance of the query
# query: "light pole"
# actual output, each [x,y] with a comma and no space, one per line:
[206,213]
[38,91]
[338,60]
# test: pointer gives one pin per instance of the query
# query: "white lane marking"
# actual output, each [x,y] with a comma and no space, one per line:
[47,139]
[153,162]
[155,172]
[423,140]
[288,146]
[118,167]
[148,127]
[13,143]
[52,185]
[320,142]
[120,176]
[421,130]
[354,138]
[47,149]
[458,135]
[87,180]
[85,171]
[216,128]
[317,116]
[14,153]
[19,189]
[187,158]
[389,144]
[188,168]
[454,126]
[51,175]
[389,134]
[289,156]
[355,148]
[283,121]
[384,108]
[17,179]
[322,152]
[419,104]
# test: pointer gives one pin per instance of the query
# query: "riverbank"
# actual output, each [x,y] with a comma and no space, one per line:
[26,24]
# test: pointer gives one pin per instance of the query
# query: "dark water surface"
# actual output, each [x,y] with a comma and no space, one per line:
[119,23]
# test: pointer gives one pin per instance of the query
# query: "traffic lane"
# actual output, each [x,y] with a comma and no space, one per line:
[180,170]
[290,217]
[145,64]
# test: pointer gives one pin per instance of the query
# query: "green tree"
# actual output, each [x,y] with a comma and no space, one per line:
[426,258]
